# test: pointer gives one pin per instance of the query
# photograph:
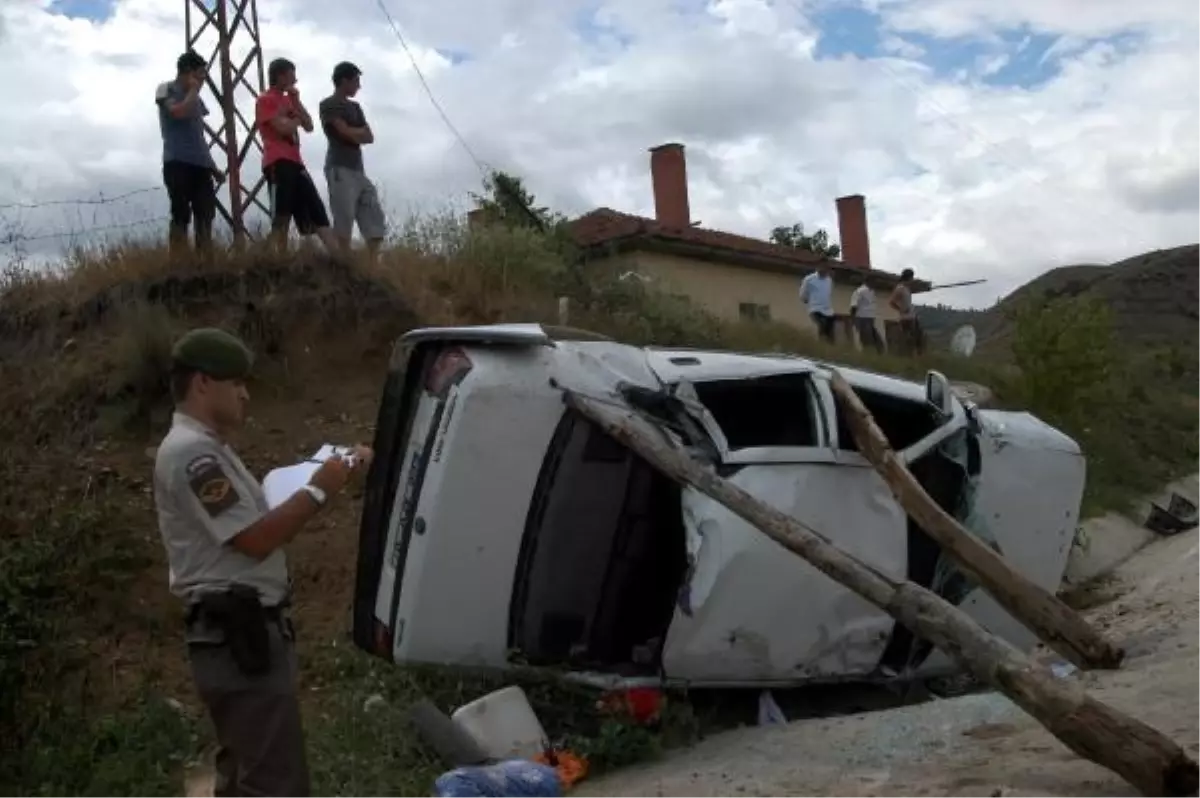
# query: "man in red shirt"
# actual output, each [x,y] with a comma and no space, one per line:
[279,115]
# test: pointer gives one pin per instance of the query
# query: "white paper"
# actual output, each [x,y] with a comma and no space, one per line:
[281,484]
[329,450]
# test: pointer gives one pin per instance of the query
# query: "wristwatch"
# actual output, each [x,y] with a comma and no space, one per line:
[316,493]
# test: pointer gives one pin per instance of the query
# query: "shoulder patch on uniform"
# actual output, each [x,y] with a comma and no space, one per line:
[162,91]
[211,485]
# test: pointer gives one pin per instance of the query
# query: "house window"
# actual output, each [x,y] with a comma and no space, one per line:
[749,311]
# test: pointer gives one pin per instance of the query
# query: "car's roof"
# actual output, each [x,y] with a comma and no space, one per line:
[672,364]
[715,364]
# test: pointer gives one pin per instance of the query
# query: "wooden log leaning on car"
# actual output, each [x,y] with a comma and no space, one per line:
[1058,626]
[1145,757]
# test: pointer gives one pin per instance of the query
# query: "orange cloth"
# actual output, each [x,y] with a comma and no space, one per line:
[571,768]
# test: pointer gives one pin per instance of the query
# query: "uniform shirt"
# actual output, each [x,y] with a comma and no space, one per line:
[276,147]
[817,293]
[342,153]
[183,139]
[862,301]
[204,497]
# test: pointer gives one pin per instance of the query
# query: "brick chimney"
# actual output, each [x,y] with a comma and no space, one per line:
[852,227]
[668,171]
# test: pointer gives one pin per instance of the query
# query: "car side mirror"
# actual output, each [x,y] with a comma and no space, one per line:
[938,394]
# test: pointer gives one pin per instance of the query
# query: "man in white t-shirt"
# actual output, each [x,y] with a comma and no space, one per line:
[816,292]
[862,310]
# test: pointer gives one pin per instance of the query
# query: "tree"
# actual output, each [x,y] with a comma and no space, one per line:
[795,237]
[1066,350]
[506,201]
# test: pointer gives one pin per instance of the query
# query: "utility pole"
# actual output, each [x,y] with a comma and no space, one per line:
[228,31]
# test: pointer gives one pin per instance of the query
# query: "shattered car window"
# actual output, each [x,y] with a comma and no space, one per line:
[767,411]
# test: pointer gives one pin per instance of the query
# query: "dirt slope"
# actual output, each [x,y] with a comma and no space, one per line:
[972,745]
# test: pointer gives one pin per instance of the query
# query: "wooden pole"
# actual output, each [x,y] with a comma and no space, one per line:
[1146,758]
[1054,622]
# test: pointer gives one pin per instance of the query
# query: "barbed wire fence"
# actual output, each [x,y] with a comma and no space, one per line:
[20,236]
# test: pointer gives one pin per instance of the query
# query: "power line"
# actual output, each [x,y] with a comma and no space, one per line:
[486,170]
[100,200]
[429,91]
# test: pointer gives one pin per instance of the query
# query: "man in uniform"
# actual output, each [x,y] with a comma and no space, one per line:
[225,553]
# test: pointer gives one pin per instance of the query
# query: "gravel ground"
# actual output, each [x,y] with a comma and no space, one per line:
[972,745]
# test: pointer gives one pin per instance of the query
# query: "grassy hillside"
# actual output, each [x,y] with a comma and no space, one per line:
[94,692]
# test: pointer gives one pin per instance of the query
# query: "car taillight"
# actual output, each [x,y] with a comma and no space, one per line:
[449,369]
[383,640]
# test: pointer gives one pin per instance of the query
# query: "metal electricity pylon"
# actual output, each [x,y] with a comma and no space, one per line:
[227,32]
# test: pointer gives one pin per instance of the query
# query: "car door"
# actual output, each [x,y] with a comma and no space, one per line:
[749,611]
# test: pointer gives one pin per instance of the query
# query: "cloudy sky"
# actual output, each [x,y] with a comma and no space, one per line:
[991,139]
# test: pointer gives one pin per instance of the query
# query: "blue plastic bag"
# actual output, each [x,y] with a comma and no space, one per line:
[513,777]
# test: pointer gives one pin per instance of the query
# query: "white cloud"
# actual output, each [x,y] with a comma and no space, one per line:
[963,179]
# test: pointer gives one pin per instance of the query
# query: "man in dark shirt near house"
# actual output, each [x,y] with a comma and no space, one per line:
[189,172]
[279,115]
[352,197]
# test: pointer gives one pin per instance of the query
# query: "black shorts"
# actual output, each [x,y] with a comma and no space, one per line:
[192,193]
[294,196]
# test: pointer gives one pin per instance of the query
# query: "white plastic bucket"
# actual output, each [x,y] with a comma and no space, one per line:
[503,723]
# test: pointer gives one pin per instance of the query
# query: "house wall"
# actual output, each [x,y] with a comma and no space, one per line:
[722,289]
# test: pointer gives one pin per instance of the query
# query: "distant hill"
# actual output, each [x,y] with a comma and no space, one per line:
[1153,298]
[940,321]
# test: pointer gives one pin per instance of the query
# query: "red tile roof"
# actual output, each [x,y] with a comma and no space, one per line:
[606,227]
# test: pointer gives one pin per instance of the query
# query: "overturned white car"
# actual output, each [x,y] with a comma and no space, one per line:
[502,529]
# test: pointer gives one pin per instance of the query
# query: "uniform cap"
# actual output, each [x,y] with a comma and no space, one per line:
[214,352]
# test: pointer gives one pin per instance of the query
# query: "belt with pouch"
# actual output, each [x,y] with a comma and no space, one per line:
[237,618]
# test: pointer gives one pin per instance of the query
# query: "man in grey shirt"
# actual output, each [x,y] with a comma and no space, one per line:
[189,172]
[226,561]
[352,197]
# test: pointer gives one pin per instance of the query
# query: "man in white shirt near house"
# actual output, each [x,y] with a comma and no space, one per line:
[816,292]
[862,310]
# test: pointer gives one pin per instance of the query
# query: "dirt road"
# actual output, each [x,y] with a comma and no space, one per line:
[971,745]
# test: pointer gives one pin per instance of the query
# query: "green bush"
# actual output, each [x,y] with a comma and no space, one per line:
[1129,413]
[1067,355]
[61,583]
[134,749]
